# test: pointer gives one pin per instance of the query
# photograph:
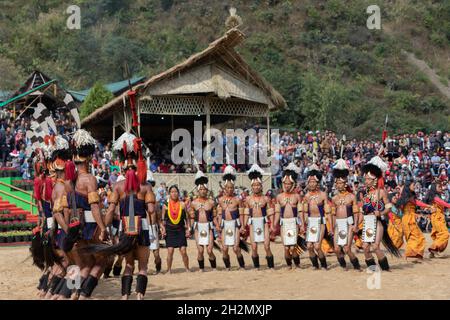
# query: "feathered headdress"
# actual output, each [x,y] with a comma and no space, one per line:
[229,174]
[291,172]
[340,170]
[60,152]
[255,173]
[129,149]
[201,180]
[374,169]
[314,173]
[84,145]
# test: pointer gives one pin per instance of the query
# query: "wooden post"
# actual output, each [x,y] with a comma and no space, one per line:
[171,125]
[139,116]
[268,130]
[208,129]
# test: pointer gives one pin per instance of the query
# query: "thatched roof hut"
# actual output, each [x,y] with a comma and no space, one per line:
[216,81]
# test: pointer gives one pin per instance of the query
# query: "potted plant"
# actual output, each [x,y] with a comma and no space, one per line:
[28,236]
[9,237]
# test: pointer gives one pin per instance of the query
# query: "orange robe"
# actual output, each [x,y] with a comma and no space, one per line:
[415,241]
[357,238]
[395,230]
[326,248]
[439,232]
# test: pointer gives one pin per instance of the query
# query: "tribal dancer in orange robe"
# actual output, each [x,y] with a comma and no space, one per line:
[395,228]
[415,241]
[439,232]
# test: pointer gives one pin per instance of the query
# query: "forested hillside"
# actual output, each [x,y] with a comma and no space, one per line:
[333,71]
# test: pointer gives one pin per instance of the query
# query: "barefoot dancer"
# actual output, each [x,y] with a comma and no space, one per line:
[287,208]
[375,208]
[229,212]
[137,203]
[439,231]
[344,211]
[203,216]
[316,207]
[154,228]
[258,212]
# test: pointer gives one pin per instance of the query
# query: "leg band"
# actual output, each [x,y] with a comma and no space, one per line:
[314,262]
[126,285]
[255,261]
[241,262]
[270,262]
[88,286]
[141,284]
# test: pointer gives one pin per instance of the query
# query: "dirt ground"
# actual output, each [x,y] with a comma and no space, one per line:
[429,279]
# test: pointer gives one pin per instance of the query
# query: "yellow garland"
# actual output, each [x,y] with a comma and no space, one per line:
[177,220]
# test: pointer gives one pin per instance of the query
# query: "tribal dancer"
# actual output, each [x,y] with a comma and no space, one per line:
[375,208]
[316,206]
[415,240]
[287,209]
[229,211]
[135,199]
[176,227]
[395,228]
[86,222]
[203,217]
[154,228]
[42,192]
[257,214]
[58,288]
[345,212]
[439,232]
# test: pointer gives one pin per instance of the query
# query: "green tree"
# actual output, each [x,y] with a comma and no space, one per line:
[96,98]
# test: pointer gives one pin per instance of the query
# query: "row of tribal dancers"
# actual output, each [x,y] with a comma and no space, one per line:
[75,232]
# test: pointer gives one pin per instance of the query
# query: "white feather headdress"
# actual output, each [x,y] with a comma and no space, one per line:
[83,138]
[229,174]
[201,179]
[341,164]
[291,166]
[377,161]
[126,137]
[61,143]
[255,173]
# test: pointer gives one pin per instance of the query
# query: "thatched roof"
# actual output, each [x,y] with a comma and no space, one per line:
[222,49]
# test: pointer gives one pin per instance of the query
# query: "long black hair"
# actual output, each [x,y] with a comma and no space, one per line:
[406,194]
[431,194]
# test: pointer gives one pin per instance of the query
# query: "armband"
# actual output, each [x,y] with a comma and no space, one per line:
[150,197]
[333,211]
[327,208]
[277,208]
[60,204]
[113,197]
[305,207]
[93,197]
[355,209]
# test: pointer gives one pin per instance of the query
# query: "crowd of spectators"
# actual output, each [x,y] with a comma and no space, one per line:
[421,157]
